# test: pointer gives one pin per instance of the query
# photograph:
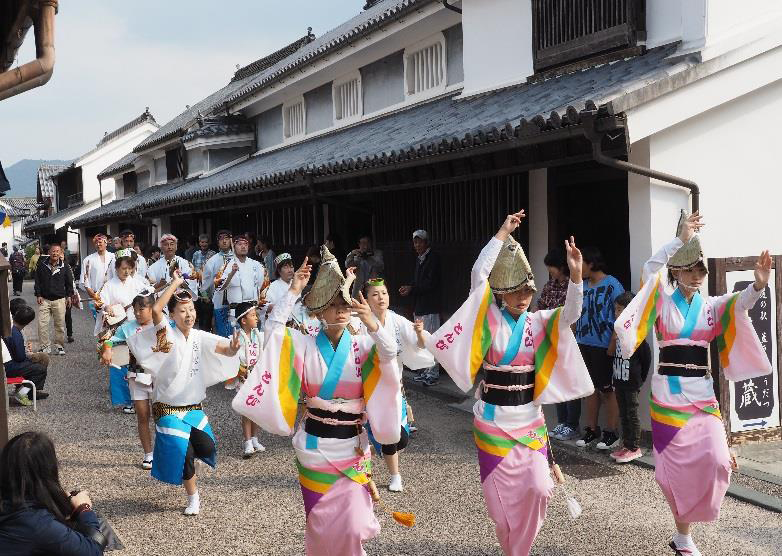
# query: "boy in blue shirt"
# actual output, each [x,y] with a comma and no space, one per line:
[20,364]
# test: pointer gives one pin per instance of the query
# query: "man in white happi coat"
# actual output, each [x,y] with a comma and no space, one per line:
[217,267]
[160,273]
[128,239]
[96,269]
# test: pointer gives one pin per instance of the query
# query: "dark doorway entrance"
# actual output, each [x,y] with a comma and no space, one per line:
[589,202]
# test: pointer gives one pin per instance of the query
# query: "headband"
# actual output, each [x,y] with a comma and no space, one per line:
[183,296]
[127,252]
[167,237]
[282,257]
[376,282]
[253,307]
[99,236]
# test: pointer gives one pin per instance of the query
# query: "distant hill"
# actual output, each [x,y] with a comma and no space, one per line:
[23,177]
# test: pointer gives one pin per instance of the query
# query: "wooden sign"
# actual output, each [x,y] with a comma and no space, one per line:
[750,408]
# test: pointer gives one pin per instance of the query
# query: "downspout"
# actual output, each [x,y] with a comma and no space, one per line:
[39,71]
[452,8]
[100,190]
[588,120]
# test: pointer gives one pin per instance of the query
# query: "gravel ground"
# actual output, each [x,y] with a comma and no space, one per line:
[254,506]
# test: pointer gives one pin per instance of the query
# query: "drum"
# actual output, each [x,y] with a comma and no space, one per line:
[120,355]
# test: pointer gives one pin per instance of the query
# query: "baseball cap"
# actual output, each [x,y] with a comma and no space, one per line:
[421,234]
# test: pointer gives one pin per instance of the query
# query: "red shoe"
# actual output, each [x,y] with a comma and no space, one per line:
[617,453]
[629,456]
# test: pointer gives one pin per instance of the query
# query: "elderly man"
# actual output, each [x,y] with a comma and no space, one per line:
[160,273]
[203,305]
[425,291]
[368,263]
[54,293]
[96,268]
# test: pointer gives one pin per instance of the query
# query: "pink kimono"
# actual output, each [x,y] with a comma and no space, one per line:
[343,386]
[528,362]
[690,448]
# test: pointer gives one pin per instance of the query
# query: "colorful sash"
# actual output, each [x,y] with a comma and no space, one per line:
[668,420]
[335,361]
[494,444]
[517,333]
[315,483]
[172,436]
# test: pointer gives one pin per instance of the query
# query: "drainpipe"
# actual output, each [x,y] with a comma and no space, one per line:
[39,71]
[452,8]
[588,120]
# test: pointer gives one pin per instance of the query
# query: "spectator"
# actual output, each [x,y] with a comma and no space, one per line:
[629,376]
[263,248]
[15,304]
[335,246]
[425,291]
[65,251]
[21,364]
[313,259]
[594,332]
[552,296]
[18,269]
[154,254]
[36,514]
[4,249]
[116,243]
[53,292]
[190,248]
[34,261]
[204,307]
[368,263]
[75,266]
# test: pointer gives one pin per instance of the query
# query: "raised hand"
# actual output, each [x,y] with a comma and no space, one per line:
[512,221]
[301,277]
[418,326]
[364,312]
[233,347]
[762,270]
[574,260]
[176,278]
[691,225]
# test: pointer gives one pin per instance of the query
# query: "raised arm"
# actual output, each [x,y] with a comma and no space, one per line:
[488,255]
[575,288]
[160,305]
[750,295]
[689,227]
[283,307]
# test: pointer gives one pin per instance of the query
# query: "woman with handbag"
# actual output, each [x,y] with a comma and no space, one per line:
[36,514]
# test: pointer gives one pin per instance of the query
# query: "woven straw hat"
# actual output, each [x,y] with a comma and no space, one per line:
[511,270]
[329,283]
[690,254]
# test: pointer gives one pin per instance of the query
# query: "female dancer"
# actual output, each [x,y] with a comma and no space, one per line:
[343,376]
[410,338]
[693,463]
[530,359]
[183,362]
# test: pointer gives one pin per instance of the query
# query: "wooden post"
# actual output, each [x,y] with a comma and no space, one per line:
[5,329]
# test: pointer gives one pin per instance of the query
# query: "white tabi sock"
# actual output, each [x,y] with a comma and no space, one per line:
[685,543]
[257,444]
[193,504]
[248,446]
[148,456]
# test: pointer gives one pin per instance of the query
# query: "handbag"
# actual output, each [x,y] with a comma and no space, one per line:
[105,536]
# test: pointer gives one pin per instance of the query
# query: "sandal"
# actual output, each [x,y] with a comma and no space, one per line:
[129,410]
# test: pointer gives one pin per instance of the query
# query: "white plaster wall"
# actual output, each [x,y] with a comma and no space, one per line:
[663,22]
[497,43]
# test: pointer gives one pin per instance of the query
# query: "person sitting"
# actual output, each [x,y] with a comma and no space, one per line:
[15,303]
[36,514]
[20,364]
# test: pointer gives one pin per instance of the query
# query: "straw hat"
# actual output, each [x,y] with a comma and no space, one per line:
[690,254]
[329,283]
[511,270]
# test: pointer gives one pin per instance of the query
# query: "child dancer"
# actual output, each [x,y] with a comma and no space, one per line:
[410,338]
[530,359]
[692,460]
[183,362]
[139,382]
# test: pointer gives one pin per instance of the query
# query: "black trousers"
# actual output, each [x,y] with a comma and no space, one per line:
[202,446]
[391,449]
[204,313]
[18,278]
[628,412]
[29,371]
[68,322]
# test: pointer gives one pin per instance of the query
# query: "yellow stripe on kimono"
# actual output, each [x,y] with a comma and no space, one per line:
[533,360]
[343,386]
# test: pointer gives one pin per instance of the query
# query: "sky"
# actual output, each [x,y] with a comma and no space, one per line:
[114,58]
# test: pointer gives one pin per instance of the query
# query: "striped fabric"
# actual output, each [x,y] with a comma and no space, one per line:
[494,444]
[317,482]
[727,330]
[481,333]
[667,420]
[290,380]
[546,353]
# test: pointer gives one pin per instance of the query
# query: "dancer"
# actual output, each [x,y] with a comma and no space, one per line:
[95,270]
[116,300]
[343,376]
[183,362]
[251,344]
[530,359]
[215,271]
[139,382]
[160,272]
[411,352]
[693,463]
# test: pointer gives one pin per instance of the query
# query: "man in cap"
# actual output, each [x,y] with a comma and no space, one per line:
[160,273]
[217,267]
[203,305]
[425,291]
[128,241]
[96,269]
[367,261]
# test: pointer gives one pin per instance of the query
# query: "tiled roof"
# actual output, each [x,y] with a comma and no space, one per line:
[145,117]
[60,216]
[46,172]
[122,165]
[443,125]
[20,206]
[223,125]
[350,31]
[273,58]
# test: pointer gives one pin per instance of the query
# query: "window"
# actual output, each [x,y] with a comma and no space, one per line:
[175,163]
[347,98]
[129,183]
[294,119]
[425,67]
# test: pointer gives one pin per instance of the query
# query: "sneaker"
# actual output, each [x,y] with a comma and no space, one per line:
[23,400]
[412,427]
[44,349]
[568,433]
[70,339]
[395,485]
[617,453]
[556,431]
[589,437]
[59,351]
[249,450]
[257,445]
[609,441]
[41,395]
[691,550]
[146,464]
[431,381]
[629,456]
[420,377]
[129,410]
